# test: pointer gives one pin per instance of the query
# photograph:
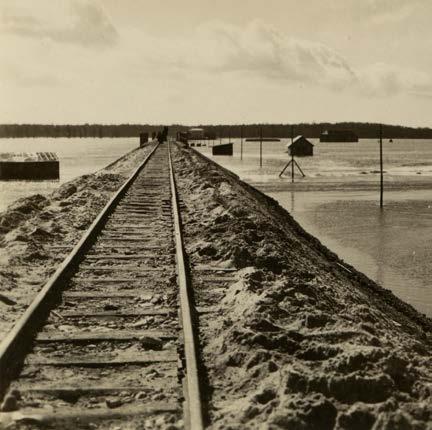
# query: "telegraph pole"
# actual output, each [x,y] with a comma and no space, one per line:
[381,170]
[292,168]
[261,146]
[241,142]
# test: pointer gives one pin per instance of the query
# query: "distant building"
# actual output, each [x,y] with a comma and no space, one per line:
[338,136]
[196,133]
[224,149]
[262,139]
[29,166]
[300,147]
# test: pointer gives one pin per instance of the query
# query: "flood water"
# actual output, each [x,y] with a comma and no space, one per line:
[338,202]
[77,157]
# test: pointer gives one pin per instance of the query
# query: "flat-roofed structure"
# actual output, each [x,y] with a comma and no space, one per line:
[338,136]
[224,149]
[29,166]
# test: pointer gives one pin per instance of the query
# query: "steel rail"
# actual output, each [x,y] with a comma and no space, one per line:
[16,341]
[193,413]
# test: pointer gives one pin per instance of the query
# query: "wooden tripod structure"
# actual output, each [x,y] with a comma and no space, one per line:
[293,164]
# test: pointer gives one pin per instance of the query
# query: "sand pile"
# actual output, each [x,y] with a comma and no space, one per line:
[37,232]
[302,341]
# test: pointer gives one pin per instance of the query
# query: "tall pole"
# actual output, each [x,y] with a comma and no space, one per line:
[241,142]
[292,167]
[381,170]
[260,146]
[292,133]
[220,135]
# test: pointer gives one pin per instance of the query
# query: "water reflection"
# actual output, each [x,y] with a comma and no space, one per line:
[381,246]
[385,243]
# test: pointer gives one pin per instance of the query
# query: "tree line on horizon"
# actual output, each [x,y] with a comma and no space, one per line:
[311,130]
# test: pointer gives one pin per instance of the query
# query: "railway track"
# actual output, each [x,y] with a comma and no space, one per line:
[109,342]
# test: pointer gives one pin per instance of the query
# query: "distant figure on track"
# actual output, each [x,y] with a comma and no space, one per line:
[162,135]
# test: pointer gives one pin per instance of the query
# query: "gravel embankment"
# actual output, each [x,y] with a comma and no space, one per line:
[37,232]
[299,342]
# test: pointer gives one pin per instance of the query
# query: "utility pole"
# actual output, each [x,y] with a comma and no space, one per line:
[260,146]
[220,135]
[241,142]
[292,168]
[381,171]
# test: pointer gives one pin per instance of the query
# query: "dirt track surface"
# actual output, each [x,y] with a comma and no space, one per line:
[37,232]
[299,342]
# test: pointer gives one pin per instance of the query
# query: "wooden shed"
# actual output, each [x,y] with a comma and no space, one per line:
[300,147]
[29,166]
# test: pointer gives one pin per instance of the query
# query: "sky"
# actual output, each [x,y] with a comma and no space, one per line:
[211,62]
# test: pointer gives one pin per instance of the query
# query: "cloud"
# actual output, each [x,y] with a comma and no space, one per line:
[81,22]
[391,11]
[257,49]
[382,79]
[218,53]
[260,51]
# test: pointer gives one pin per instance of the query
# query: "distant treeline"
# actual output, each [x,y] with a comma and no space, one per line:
[78,130]
[363,130]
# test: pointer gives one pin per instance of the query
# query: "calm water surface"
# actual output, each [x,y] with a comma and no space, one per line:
[77,157]
[392,246]
[338,203]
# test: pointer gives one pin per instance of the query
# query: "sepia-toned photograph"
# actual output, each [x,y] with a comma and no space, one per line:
[216,215]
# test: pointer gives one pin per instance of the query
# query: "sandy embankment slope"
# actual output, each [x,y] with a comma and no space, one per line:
[32,228]
[299,342]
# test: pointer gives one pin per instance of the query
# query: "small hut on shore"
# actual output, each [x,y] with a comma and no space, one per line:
[300,147]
